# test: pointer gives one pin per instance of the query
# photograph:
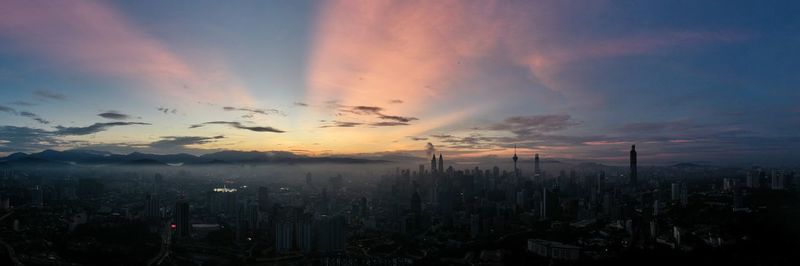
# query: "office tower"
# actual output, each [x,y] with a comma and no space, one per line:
[305,232]
[536,170]
[331,237]
[752,180]
[284,234]
[263,199]
[363,208]
[684,194]
[151,208]
[421,171]
[252,216]
[433,165]
[633,174]
[777,180]
[37,196]
[474,226]
[676,192]
[441,163]
[728,184]
[416,204]
[182,224]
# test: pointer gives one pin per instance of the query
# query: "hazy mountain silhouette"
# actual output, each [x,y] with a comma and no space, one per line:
[89,157]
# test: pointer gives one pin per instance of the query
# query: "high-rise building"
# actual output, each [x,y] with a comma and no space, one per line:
[263,199]
[151,207]
[284,235]
[777,180]
[536,169]
[182,225]
[752,180]
[433,164]
[305,232]
[37,196]
[331,237]
[684,194]
[633,174]
[441,163]
[416,204]
[676,192]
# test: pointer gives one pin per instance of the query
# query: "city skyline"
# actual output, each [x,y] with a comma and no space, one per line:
[686,81]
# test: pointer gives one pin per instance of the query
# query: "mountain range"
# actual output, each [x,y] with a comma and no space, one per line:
[92,157]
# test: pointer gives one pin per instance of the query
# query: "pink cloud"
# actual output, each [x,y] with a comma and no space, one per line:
[370,51]
[92,37]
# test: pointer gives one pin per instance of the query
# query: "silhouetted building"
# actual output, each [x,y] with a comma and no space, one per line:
[263,199]
[433,164]
[331,236]
[151,207]
[182,224]
[633,172]
[515,158]
[441,163]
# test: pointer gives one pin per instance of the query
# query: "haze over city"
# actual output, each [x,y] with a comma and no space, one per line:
[399,132]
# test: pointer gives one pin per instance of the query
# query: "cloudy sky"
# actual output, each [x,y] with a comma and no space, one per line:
[684,80]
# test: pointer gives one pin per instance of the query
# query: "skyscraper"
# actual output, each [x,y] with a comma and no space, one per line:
[433,164]
[182,225]
[536,170]
[151,207]
[441,163]
[633,175]
[263,199]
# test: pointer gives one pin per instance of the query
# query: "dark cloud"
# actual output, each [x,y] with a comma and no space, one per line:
[252,111]
[167,110]
[527,125]
[22,103]
[44,94]
[27,114]
[302,104]
[9,110]
[114,115]
[442,136]
[364,110]
[23,139]
[171,142]
[240,126]
[375,111]
[341,124]
[429,149]
[398,118]
[417,138]
[396,101]
[34,117]
[94,128]
[23,114]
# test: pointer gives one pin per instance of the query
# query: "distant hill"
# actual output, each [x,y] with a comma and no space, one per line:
[687,165]
[91,157]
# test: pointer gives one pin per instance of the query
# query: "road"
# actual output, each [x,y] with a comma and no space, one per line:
[163,253]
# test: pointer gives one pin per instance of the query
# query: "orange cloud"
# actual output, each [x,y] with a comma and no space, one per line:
[90,36]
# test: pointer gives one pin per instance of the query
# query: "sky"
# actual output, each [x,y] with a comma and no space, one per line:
[700,81]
